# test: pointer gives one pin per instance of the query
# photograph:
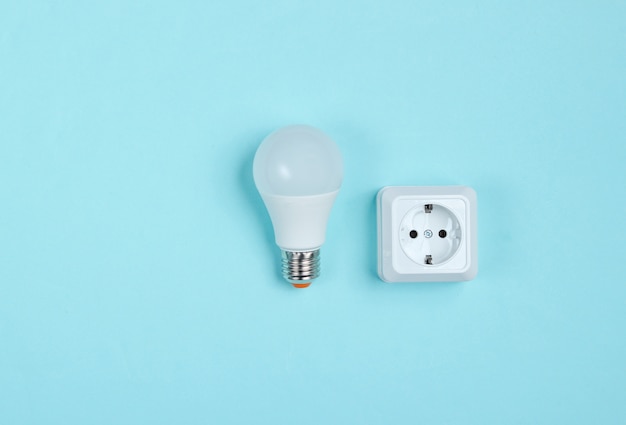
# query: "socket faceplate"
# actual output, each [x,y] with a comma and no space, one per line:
[427,233]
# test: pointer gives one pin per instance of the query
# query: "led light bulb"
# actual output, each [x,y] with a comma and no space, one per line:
[298,172]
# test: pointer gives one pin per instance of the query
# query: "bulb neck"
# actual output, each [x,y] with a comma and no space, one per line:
[301,267]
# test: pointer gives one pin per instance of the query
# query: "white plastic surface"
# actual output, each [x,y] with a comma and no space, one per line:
[300,221]
[403,258]
[436,234]
[298,171]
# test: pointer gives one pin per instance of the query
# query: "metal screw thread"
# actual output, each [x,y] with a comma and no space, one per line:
[301,266]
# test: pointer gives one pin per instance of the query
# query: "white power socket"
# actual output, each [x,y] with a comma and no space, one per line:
[427,234]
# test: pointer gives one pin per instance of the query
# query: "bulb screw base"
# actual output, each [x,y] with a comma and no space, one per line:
[301,267]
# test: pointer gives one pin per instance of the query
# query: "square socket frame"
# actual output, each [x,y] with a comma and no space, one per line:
[395,264]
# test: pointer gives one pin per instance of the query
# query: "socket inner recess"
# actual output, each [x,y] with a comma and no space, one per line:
[430,234]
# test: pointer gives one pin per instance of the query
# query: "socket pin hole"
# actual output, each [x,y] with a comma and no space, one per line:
[443,233]
[413,234]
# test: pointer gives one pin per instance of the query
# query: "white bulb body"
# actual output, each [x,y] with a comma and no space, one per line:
[298,171]
[299,222]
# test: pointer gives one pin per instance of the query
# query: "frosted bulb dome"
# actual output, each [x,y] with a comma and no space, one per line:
[298,160]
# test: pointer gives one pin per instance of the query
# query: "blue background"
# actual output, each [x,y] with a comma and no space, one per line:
[139,281]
